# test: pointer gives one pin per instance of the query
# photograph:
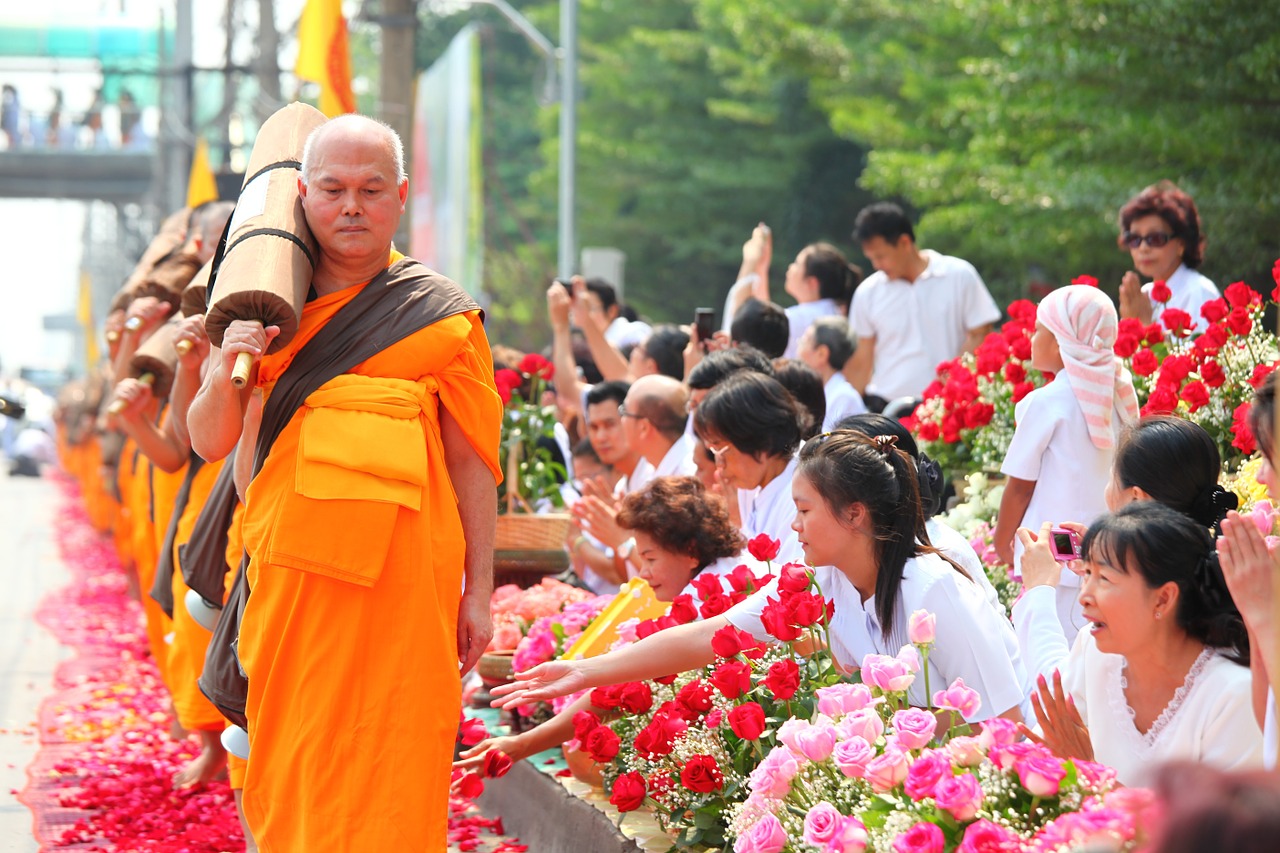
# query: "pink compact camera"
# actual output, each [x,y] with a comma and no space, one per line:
[1065,544]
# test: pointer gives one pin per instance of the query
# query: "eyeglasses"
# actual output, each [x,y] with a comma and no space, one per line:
[623,413]
[1156,239]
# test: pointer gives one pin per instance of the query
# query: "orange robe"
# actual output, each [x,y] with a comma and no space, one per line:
[236,767]
[349,639]
[190,639]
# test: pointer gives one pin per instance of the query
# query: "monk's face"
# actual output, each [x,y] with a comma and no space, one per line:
[353,202]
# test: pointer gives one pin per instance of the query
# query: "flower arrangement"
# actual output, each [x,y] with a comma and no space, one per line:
[533,477]
[515,611]
[966,418]
[866,772]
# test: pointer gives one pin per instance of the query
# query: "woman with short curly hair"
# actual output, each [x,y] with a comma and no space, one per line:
[1160,228]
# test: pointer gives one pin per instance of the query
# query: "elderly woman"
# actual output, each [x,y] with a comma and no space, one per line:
[1160,227]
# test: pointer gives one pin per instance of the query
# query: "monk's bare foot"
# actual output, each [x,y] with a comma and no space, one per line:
[206,766]
[176,731]
[250,846]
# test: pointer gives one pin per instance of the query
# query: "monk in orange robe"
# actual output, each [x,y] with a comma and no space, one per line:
[374,504]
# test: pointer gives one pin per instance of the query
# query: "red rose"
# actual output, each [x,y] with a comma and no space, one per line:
[649,744]
[1177,321]
[695,696]
[1195,395]
[1241,295]
[470,786]
[496,764]
[471,731]
[1239,321]
[1242,436]
[584,722]
[783,679]
[606,698]
[636,697]
[732,678]
[1021,348]
[1212,374]
[1021,390]
[1174,369]
[707,584]
[1214,310]
[1131,326]
[1126,345]
[628,792]
[1087,280]
[742,579]
[747,720]
[729,641]
[1023,310]
[1213,339]
[534,363]
[764,547]
[1260,374]
[602,744]
[666,679]
[978,415]
[777,621]
[793,578]
[951,427]
[1160,292]
[682,609]
[806,608]
[702,775]
[1014,372]
[1163,401]
[714,605]
[658,737]
[645,627]
[933,389]
[1145,362]
[929,431]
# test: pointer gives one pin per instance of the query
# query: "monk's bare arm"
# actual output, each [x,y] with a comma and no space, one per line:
[478,507]
[216,417]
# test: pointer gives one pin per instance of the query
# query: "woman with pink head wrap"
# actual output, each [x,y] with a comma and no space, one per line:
[1059,461]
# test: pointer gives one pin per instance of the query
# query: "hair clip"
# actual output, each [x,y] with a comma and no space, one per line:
[885,443]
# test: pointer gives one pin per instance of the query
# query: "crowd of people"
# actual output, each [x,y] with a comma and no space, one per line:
[343,502]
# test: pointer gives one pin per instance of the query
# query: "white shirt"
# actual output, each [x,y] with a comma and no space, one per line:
[636,480]
[958,548]
[771,510]
[1210,719]
[801,316]
[1190,290]
[678,460]
[973,641]
[1039,630]
[843,400]
[1051,446]
[623,333]
[918,325]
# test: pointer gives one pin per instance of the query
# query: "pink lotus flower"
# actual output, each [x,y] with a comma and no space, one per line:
[922,628]
[841,699]
[886,771]
[852,757]
[821,824]
[960,795]
[914,728]
[885,673]
[1042,776]
[766,836]
[965,701]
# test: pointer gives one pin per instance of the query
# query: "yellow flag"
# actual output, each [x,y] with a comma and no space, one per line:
[324,56]
[201,186]
[84,315]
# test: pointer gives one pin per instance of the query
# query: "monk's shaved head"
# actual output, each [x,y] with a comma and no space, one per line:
[352,127]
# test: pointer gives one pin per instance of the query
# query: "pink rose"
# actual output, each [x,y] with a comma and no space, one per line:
[852,757]
[983,836]
[914,727]
[1041,776]
[924,837]
[965,701]
[961,795]
[910,658]
[767,836]
[816,742]
[865,724]
[821,824]
[887,674]
[966,751]
[841,699]
[851,837]
[922,628]
[887,771]
[772,777]
[1094,775]
[924,774]
[998,731]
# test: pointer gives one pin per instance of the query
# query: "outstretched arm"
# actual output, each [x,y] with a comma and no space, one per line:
[677,649]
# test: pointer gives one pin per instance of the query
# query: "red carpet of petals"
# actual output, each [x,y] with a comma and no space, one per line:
[102,778]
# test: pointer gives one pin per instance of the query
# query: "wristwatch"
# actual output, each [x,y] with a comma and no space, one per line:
[626,549]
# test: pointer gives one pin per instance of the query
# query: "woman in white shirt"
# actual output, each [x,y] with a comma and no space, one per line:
[1163,672]
[753,426]
[857,514]
[1160,227]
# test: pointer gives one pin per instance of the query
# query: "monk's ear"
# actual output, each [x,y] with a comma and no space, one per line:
[404,193]
[302,188]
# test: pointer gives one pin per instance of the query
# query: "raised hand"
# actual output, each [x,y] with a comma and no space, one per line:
[544,682]
[135,396]
[1251,568]
[1133,302]
[599,518]
[191,355]
[1061,728]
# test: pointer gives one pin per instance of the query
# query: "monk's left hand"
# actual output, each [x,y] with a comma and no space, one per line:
[475,629]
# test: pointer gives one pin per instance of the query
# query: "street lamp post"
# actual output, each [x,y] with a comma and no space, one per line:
[568,92]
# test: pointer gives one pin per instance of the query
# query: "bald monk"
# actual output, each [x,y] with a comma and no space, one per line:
[376,499]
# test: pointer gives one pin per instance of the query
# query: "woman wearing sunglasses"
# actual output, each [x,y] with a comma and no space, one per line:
[1160,228]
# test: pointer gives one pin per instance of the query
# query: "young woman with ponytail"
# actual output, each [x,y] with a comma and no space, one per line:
[857,517]
[1162,673]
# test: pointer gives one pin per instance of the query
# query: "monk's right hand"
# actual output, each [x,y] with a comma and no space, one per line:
[545,681]
[245,336]
[135,395]
[191,330]
[472,758]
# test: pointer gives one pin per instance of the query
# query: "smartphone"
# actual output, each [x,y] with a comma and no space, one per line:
[704,322]
[1065,544]
[568,288]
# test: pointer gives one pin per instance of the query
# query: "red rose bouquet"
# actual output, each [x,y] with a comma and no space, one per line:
[528,427]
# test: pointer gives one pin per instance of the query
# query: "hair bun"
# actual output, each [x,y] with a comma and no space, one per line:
[1212,505]
[932,485]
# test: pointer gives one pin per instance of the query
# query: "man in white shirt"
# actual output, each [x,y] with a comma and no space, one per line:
[916,311]
[827,346]
[653,421]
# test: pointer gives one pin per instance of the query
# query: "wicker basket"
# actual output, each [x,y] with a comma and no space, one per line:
[525,532]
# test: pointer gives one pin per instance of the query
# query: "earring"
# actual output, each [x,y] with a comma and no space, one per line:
[1158,614]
